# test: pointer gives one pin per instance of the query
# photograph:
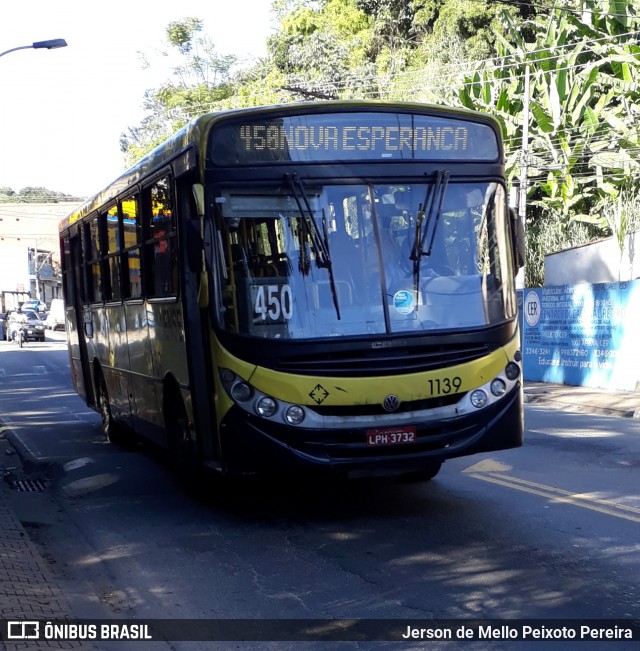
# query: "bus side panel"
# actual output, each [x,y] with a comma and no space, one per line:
[114,362]
[71,249]
[98,345]
[91,330]
[77,376]
[167,352]
[145,386]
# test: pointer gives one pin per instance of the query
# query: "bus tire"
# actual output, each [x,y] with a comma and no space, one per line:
[111,430]
[181,447]
[424,474]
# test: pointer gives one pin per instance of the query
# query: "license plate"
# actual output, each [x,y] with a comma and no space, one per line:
[391,436]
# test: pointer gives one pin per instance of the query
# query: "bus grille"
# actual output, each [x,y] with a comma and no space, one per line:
[380,362]
[346,411]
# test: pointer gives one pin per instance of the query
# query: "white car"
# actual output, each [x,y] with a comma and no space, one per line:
[56,318]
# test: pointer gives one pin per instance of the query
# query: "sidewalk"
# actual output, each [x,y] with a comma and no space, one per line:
[624,404]
[29,591]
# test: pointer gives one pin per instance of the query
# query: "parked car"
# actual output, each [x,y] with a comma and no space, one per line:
[35,305]
[55,319]
[29,321]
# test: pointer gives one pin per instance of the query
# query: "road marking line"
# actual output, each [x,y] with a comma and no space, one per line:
[607,507]
[581,496]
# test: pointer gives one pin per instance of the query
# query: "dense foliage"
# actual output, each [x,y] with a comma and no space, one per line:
[581,160]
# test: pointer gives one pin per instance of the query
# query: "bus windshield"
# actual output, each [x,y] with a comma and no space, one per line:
[333,260]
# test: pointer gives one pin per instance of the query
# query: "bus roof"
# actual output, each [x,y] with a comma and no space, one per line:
[194,134]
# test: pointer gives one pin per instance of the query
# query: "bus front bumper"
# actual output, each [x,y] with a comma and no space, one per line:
[253,445]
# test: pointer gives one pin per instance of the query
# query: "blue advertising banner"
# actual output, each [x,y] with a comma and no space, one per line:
[582,335]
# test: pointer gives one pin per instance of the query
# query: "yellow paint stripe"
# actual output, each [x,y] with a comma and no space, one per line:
[347,391]
[580,496]
[606,507]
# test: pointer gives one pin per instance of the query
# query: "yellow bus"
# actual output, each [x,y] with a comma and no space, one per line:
[318,286]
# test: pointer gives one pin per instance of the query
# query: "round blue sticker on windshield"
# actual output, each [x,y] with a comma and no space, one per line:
[404,301]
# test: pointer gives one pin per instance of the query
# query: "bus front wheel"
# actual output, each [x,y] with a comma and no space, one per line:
[111,430]
[180,445]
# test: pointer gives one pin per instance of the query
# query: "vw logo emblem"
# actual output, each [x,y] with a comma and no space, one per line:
[391,403]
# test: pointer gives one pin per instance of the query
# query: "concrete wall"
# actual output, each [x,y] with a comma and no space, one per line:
[582,335]
[598,262]
[14,269]
[24,227]
[32,224]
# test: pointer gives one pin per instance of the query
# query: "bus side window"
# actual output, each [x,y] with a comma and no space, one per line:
[67,272]
[93,266]
[160,268]
[132,242]
[111,221]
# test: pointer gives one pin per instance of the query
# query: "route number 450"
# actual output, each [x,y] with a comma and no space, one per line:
[273,302]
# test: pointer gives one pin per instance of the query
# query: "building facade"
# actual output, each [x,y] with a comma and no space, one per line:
[30,251]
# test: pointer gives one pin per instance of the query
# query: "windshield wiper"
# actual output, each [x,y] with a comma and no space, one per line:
[320,243]
[332,282]
[308,222]
[430,209]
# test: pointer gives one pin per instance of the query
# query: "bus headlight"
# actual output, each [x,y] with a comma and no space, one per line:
[478,398]
[294,415]
[266,406]
[512,370]
[498,387]
[241,392]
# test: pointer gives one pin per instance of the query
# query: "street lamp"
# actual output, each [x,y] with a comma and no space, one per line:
[51,44]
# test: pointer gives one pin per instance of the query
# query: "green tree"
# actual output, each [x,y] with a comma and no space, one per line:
[584,71]
[323,49]
[582,57]
[201,79]
[386,49]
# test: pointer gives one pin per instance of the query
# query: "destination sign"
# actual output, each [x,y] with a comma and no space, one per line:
[351,136]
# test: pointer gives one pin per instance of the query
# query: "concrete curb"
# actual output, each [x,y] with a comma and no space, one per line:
[29,459]
[548,399]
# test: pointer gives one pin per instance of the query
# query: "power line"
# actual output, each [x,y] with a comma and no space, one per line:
[555,7]
[496,63]
[387,92]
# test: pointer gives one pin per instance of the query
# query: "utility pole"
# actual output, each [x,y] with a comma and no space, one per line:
[35,269]
[39,260]
[524,151]
[524,164]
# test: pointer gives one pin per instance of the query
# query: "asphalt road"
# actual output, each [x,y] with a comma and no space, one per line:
[548,531]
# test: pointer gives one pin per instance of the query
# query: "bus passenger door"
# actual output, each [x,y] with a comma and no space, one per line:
[145,390]
[79,327]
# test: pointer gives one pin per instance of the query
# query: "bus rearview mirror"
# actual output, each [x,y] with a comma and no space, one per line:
[198,195]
